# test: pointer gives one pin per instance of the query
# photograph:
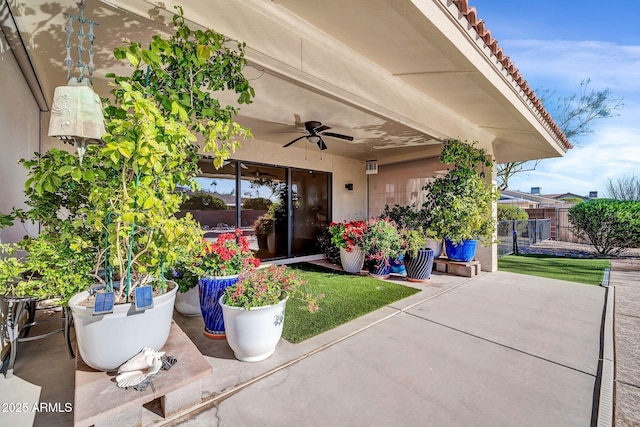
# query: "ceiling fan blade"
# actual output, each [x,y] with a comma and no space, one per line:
[337,135]
[322,145]
[321,128]
[295,140]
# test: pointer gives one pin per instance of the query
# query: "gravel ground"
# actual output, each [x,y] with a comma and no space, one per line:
[577,250]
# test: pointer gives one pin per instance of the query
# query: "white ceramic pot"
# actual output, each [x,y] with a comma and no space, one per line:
[188,303]
[271,243]
[353,261]
[435,245]
[253,334]
[105,342]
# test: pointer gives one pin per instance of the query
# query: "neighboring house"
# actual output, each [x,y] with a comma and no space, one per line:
[564,196]
[397,76]
[529,201]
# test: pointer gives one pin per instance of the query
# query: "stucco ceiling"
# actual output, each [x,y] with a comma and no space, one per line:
[390,73]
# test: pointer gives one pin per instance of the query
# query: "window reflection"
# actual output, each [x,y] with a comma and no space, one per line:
[310,210]
[214,204]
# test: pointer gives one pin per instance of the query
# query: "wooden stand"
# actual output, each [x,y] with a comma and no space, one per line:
[466,269]
[99,402]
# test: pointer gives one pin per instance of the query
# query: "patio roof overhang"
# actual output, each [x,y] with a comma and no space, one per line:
[398,75]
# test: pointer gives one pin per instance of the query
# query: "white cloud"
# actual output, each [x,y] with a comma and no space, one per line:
[613,149]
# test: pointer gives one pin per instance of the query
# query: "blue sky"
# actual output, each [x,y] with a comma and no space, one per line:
[557,44]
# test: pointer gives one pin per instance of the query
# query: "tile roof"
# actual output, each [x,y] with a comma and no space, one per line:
[471,14]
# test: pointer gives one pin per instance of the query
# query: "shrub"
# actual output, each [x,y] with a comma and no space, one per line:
[203,201]
[510,212]
[459,204]
[611,225]
[257,203]
[404,216]
[330,250]
[572,199]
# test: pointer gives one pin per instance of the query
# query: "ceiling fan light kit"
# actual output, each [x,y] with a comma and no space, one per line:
[316,131]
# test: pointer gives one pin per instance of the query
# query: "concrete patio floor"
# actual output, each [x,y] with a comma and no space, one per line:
[498,349]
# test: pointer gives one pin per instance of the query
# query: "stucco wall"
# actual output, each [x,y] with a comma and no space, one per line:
[347,204]
[19,121]
[401,184]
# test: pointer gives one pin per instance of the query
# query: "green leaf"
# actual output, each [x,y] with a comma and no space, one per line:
[148,204]
[65,170]
[124,150]
[203,53]
[76,174]
[89,175]
[133,59]
[150,57]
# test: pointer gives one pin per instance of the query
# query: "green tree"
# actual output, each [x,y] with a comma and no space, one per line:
[511,212]
[611,225]
[575,115]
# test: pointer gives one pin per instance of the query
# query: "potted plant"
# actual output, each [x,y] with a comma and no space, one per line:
[254,310]
[459,204]
[418,259]
[349,237]
[263,227]
[186,274]
[117,205]
[219,267]
[381,242]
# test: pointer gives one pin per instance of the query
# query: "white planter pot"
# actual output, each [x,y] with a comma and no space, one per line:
[271,243]
[253,334]
[105,342]
[435,245]
[353,261]
[188,303]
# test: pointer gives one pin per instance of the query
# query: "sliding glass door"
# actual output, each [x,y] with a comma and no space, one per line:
[282,210]
[310,201]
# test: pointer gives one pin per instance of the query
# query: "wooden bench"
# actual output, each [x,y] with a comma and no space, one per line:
[466,269]
[99,402]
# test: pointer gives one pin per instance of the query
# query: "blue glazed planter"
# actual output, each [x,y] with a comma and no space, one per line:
[462,252]
[211,289]
[380,269]
[398,265]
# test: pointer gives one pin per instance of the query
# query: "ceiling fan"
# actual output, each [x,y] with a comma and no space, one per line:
[316,131]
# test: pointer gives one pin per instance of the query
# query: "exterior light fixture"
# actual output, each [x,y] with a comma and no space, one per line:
[76,114]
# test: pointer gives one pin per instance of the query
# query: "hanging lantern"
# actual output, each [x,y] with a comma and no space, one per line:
[371,167]
[76,114]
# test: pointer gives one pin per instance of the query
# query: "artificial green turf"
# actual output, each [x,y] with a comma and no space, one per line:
[346,297]
[581,270]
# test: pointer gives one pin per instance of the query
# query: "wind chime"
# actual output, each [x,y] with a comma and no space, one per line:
[76,114]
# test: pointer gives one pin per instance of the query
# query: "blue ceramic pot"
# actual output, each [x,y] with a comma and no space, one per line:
[211,289]
[398,265]
[462,252]
[380,268]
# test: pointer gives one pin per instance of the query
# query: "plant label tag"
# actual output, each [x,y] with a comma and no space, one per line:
[104,304]
[144,298]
